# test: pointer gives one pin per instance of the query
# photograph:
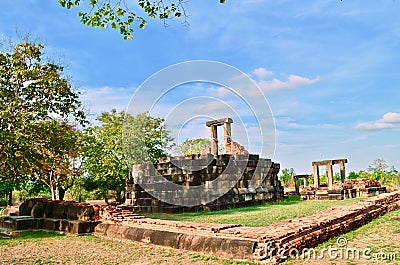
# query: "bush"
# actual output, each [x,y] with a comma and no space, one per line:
[3,202]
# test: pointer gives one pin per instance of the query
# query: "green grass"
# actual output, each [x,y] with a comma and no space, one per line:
[260,215]
[28,236]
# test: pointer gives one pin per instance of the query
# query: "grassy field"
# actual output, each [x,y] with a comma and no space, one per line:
[260,215]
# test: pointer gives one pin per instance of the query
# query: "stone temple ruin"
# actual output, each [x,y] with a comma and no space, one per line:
[205,170]
[267,244]
[346,188]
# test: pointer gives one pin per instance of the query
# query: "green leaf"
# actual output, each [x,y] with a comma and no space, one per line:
[93,2]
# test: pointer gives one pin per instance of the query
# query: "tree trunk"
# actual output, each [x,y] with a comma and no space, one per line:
[51,185]
[53,196]
[118,199]
[105,197]
[10,203]
[61,193]
[57,193]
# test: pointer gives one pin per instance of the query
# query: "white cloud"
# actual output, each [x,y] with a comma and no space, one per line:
[220,92]
[103,99]
[262,73]
[391,117]
[293,81]
[388,121]
[290,123]
[372,126]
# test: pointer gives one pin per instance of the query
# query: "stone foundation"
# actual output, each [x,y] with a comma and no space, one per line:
[270,243]
[195,170]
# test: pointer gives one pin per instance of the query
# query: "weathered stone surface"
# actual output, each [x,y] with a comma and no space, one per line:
[81,227]
[232,172]
[102,228]
[25,223]
[59,211]
[51,224]
[39,213]
[38,210]
[43,208]
[165,238]
[135,234]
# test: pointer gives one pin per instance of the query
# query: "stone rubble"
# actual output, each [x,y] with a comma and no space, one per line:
[359,183]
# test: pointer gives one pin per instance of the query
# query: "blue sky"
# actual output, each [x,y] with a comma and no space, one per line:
[330,70]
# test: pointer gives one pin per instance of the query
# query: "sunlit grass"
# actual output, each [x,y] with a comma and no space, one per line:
[260,215]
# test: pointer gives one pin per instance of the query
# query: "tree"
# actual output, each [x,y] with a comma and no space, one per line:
[31,189]
[119,15]
[145,139]
[32,91]
[378,165]
[61,146]
[193,146]
[287,176]
[353,175]
[108,156]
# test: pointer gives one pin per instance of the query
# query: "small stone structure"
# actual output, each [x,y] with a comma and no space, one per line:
[329,171]
[231,147]
[204,169]
[214,135]
[336,190]
[297,184]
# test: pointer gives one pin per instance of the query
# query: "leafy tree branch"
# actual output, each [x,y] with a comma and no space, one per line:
[124,16]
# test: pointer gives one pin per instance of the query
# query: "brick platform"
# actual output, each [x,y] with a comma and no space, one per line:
[253,243]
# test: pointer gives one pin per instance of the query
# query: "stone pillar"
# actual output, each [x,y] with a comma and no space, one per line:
[329,176]
[342,171]
[227,138]
[305,181]
[316,177]
[297,185]
[214,139]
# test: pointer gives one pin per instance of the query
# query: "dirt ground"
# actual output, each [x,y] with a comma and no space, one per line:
[89,249]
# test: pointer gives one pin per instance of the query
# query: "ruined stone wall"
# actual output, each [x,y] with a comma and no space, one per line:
[65,216]
[199,169]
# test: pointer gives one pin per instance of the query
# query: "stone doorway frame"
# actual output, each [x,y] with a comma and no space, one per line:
[226,122]
[329,171]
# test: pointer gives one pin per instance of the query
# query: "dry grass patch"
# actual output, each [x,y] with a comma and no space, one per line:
[55,248]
